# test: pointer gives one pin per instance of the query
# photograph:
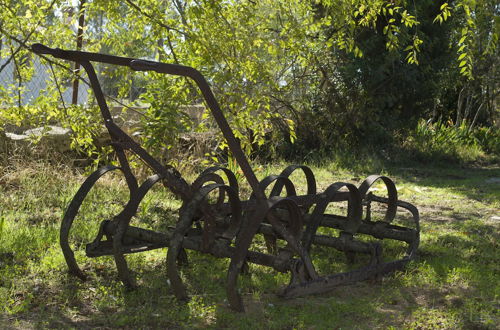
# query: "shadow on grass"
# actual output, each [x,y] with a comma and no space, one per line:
[474,183]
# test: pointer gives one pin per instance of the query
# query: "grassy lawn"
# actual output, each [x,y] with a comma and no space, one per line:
[453,284]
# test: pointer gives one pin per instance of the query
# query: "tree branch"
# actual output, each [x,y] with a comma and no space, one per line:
[153,19]
[13,54]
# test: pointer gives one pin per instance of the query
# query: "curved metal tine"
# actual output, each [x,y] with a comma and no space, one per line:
[411,252]
[186,218]
[412,244]
[293,238]
[271,240]
[123,221]
[310,179]
[392,194]
[355,212]
[251,224]
[392,204]
[233,182]
[70,215]
[245,237]
[279,180]
[210,177]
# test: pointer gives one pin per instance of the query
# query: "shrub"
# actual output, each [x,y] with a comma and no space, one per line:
[442,141]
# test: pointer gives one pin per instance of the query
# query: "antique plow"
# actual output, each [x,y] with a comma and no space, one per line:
[227,227]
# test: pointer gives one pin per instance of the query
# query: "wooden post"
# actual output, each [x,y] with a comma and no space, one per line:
[79,43]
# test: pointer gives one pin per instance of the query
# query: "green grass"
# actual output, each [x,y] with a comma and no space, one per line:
[453,284]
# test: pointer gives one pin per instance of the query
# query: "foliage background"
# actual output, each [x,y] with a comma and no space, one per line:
[293,77]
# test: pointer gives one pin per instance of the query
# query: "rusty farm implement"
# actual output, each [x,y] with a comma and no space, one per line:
[227,226]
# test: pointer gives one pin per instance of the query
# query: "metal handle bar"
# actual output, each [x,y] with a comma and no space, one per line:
[173,69]
[78,56]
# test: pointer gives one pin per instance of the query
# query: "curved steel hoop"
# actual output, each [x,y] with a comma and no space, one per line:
[210,175]
[186,219]
[392,194]
[204,178]
[232,181]
[354,211]
[245,237]
[278,180]
[71,213]
[411,252]
[123,221]
[310,179]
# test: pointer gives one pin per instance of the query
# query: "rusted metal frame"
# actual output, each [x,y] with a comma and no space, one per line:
[101,101]
[262,208]
[121,139]
[220,248]
[71,213]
